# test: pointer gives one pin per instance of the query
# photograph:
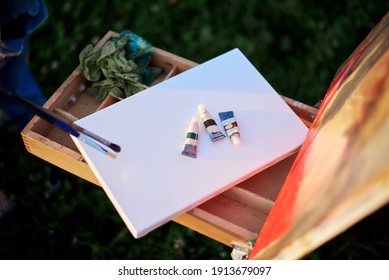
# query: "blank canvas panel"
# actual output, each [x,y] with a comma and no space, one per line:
[150,182]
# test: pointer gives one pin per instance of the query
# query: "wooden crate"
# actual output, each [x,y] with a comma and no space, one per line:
[235,215]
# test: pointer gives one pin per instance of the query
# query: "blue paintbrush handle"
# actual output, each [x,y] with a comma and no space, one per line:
[40,111]
[60,122]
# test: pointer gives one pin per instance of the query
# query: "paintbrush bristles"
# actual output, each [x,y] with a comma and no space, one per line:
[115,147]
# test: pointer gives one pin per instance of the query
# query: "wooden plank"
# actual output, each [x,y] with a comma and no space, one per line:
[268,183]
[162,57]
[208,228]
[305,112]
[232,215]
[58,155]
[249,199]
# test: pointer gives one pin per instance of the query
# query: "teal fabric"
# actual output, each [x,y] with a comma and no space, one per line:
[120,68]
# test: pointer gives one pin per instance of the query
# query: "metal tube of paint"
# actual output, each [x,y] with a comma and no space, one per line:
[191,139]
[230,126]
[210,124]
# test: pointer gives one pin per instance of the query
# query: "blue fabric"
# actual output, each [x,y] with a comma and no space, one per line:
[14,71]
[31,13]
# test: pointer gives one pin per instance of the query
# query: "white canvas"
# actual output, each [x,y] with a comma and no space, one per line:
[150,182]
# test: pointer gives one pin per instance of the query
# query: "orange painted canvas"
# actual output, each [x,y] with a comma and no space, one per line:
[341,173]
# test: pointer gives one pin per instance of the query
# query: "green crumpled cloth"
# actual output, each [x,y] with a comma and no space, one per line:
[120,68]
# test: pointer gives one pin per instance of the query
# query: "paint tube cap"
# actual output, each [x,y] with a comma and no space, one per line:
[193,120]
[235,138]
[201,108]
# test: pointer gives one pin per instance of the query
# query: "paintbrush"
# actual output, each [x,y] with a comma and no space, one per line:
[62,123]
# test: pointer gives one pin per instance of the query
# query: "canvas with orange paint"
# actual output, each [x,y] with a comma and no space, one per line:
[341,173]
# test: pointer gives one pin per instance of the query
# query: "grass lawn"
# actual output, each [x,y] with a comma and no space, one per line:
[296,45]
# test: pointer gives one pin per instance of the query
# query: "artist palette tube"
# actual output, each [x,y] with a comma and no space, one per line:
[191,139]
[210,124]
[230,126]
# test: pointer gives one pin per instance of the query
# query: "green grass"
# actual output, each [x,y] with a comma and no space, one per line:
[297,46]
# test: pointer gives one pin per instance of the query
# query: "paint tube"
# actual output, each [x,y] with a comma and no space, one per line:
[210,124]
[230,126]
[192,134]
